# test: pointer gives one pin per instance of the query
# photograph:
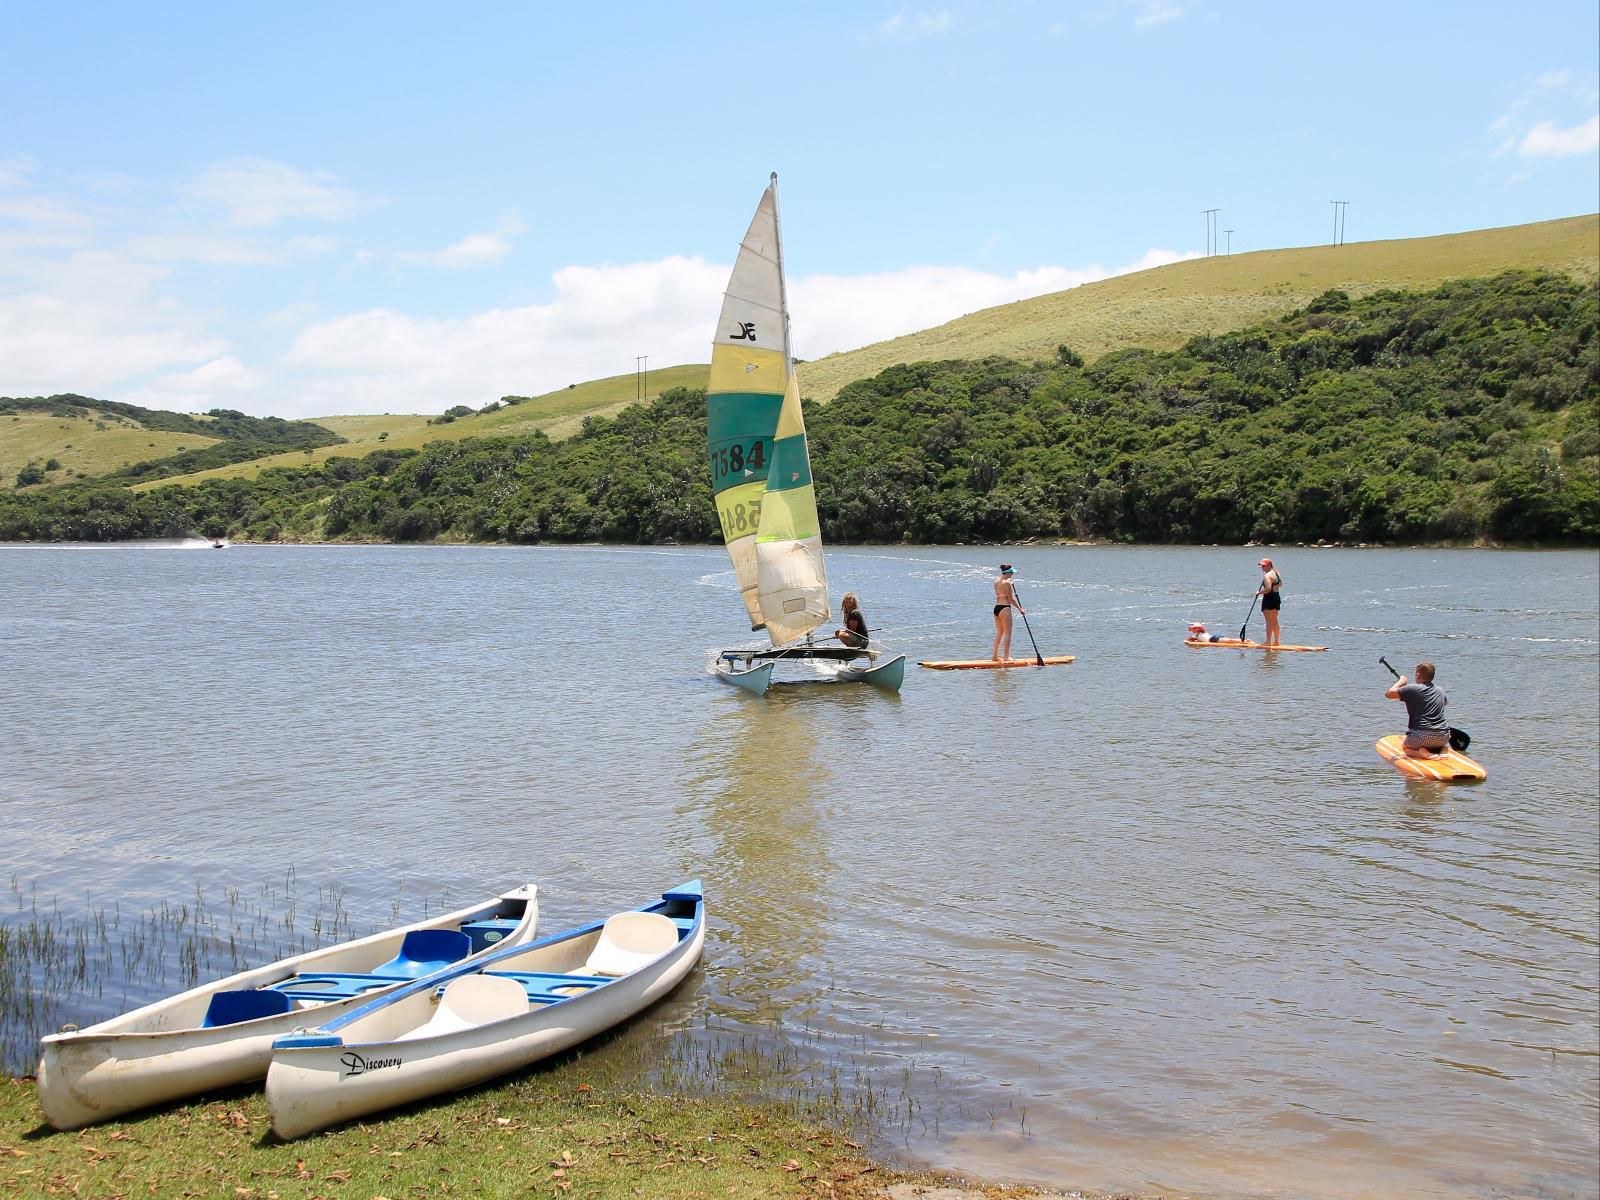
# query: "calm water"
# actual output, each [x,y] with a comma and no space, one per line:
[1158,919]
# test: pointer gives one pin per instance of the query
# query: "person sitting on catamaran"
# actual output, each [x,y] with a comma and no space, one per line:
[854,633]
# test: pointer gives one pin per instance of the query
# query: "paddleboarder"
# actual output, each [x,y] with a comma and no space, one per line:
[1271,593]
[1427,732]
[1005,600]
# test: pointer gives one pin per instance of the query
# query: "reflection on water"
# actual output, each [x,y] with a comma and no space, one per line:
[757,779]
[1159,919]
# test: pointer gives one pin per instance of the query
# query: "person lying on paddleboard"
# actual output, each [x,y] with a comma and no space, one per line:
[1427,732]
[1197,633]
[854,633]
[1271,593]
[1005,599]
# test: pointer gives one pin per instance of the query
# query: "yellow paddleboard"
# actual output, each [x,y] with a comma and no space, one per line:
[989,664]
[1448,765]
[1236,644]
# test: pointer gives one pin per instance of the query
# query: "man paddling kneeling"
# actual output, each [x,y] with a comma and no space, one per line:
[1426,729]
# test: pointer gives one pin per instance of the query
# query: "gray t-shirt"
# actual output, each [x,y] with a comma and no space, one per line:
[1424,708]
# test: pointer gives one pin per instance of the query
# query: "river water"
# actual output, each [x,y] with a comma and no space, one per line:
[1160,919]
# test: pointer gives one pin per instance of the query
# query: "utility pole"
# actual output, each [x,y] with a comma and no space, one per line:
[1338,220]
[1229,232]
[641,376]
[1211,230]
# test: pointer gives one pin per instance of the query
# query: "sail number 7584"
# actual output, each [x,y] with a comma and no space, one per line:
[735,459]
[739,518]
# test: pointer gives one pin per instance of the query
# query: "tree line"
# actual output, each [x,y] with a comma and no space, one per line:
[1467,412]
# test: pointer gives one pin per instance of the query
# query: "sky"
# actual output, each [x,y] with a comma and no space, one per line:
[305,210]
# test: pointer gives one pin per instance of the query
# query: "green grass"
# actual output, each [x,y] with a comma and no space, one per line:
[557,414]
[1163,308]
[1158,309]
[85,447]
[546,1134]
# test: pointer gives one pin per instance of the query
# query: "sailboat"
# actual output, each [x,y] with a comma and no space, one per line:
[761,474]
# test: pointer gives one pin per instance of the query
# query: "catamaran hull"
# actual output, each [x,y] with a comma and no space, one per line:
[315,1087]
[888,675]
[160,1053]
[757,679]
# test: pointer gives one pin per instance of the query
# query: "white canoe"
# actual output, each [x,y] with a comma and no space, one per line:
[473,1022]
[212,1036]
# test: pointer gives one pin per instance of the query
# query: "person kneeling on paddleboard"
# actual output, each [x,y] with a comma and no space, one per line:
[1197,633]
[1427,732]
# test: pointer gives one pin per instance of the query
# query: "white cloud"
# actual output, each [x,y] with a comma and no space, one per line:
[259,192]
[907,24]
[474,250]
[1546,140]
[199,248]
[210,385]
[1157,12]
[94,322]
[382,360]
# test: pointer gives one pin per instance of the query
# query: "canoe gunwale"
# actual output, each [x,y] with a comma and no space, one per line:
[106,1069]
[313,1085]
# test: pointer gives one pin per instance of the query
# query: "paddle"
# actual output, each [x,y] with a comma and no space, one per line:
[1248,615]
[1037,657]
[1460,739]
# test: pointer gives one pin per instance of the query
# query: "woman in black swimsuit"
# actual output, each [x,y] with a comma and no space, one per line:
[1271,600]
[1005,599]
[854,633]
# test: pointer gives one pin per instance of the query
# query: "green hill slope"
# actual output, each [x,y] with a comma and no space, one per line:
[1163,308]
[1470,411]
[555,414]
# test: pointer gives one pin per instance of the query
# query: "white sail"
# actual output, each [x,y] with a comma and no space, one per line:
[760,462]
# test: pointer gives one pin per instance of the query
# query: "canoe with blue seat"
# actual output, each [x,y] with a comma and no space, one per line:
[478,1019]
[221,1034]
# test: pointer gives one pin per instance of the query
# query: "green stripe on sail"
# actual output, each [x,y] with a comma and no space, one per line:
[791,464]
[789,515]
[739,429]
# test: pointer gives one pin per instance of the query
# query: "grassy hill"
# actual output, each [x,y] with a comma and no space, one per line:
[1156,309]
[1163,308]
[85,447]
[558,414]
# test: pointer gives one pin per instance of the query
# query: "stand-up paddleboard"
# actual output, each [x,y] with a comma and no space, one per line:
[989,664]
[1236,644]
[1448,765]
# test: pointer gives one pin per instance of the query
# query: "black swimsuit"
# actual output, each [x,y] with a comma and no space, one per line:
[1000,608]
[1274,598]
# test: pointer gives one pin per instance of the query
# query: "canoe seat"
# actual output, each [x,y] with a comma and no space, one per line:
[330,985]
[469,1001]
[487,932]
[546,988]
[229,1008]
[425,951]
[628,941]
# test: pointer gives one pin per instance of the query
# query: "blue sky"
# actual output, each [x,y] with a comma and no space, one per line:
[313,209]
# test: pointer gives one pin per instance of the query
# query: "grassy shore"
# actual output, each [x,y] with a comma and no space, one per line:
[548,1134]
[545,1134]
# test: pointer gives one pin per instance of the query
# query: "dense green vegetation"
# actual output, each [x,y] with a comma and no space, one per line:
[241,437]
[1470,411]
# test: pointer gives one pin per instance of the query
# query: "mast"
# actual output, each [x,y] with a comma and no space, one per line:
[783,282]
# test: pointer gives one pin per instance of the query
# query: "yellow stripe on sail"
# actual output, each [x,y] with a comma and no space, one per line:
[791,421]
[739,510]
[745,369]
[790,515]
